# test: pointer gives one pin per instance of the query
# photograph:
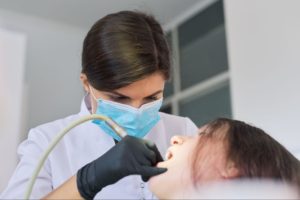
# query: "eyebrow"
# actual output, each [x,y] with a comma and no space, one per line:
[122,95]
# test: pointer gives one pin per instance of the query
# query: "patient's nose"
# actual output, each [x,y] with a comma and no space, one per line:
[177,140]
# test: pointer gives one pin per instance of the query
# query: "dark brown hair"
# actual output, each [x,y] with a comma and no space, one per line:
[122,48]
[254,153]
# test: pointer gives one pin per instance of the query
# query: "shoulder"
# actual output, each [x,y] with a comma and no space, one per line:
[169,126]
[171,118]
[41,136]
[184,124]
[56,124]
[44,133]
[174,119]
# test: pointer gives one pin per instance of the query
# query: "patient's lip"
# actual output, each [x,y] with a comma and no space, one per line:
[168,155]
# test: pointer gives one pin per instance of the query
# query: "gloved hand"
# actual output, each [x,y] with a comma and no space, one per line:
[130,156]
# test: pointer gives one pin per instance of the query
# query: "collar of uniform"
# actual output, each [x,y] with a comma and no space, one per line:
[85,108]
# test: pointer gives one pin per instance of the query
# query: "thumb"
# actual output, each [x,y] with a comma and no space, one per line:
[147,172]
[154,148]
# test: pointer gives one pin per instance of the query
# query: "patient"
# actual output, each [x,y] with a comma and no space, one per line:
[224,150]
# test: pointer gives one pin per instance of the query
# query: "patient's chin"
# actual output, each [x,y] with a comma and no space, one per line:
[153,184]
[156,178]
[156,184]
[163,185]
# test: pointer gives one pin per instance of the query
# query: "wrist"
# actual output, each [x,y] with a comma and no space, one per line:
[85,182]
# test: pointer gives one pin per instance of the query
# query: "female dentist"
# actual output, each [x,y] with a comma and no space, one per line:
[125,63]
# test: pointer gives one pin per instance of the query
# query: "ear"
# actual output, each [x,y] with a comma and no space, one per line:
[230,171]
[84,82]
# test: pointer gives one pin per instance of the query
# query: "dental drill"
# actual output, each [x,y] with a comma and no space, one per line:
[112,124]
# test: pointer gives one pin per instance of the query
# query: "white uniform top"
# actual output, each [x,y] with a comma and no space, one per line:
[80,146]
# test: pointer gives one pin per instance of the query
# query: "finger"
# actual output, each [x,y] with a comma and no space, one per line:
[131,140]
[159,158]
[154,148]
[143,160]
[138,148]
[145,178]
[141,153]
[149,155]
[157,172]
[149,143]
[147,171]
[146,149]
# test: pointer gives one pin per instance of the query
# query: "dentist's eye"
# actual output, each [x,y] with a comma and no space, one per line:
[119,99]
[153,98]
[150,99]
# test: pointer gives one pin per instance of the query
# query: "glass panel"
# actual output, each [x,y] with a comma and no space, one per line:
[202,109]
[169,39]
[204,54]
[204,58]
[201,24]
[169,88]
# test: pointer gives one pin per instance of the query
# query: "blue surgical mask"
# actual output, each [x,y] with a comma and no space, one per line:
[136,122]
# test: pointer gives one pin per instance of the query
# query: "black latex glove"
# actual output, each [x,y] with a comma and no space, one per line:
[130,156]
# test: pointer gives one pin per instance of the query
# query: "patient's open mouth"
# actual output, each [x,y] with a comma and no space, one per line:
[169,155]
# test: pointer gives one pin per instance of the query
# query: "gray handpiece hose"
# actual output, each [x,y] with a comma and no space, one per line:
[119,130]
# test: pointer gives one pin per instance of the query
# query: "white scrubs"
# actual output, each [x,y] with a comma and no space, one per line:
[80,146]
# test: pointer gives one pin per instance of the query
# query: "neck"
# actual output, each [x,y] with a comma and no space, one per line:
[183,193]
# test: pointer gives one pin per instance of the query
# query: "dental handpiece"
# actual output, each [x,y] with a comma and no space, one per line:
[118,129]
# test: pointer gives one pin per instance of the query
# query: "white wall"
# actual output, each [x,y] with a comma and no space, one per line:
[50,80]
[53,64]
[264,58]
[12,57]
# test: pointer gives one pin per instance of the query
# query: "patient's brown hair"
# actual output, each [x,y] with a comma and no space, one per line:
[254,153]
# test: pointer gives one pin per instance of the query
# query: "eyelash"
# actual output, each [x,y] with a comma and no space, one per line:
[153,98]
[118,98]
[122,99]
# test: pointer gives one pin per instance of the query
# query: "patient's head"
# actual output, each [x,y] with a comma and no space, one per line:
[224,149]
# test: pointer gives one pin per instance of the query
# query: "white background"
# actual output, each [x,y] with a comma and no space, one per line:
[12,55]
[52,67]
[45,79]
[263,39]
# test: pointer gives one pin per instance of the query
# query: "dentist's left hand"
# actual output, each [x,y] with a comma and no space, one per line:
[130,156]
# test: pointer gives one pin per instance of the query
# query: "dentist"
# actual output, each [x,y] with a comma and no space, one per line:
[125,64]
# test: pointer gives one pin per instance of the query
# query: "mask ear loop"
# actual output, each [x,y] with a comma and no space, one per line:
[92,93]
[87,101]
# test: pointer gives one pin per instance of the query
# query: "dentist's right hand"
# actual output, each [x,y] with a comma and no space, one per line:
[130,156]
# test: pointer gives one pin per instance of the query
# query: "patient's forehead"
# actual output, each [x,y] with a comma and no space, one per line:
[217,132]
[201,129]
